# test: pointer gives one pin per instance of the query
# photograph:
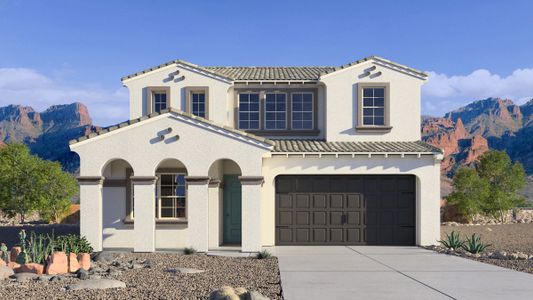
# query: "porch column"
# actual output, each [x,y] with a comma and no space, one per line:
[91,209]
[198,212]
[251,213]
[144,213]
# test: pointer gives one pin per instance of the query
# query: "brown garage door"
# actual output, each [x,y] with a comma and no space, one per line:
[345,210]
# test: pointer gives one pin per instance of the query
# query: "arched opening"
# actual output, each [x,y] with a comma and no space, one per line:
[225,203]
[171,191]
[117,204]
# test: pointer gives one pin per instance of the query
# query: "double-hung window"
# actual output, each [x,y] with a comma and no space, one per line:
[373,106]
[171,196]
[160,101]
[249,111]
[198,105]
[302,111]
[275,111]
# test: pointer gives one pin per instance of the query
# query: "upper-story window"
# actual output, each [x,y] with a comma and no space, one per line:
[374,106]
[302,110]
[275,111]
[249,110]
[198,105]
[160,101]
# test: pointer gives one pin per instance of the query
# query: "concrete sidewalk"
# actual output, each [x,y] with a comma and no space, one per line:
[375,272]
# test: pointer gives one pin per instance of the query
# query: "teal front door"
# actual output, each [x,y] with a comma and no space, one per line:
[232,210]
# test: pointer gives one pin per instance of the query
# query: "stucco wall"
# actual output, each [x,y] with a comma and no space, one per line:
[424,168]
[341,104]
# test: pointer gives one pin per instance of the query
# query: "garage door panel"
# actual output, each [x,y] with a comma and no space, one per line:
[320,235]
[336,235]
[345,209]
[353,235]
[336,201]
[353,218]
[319,218]
[284,201]
[303,218]
[319,201]
[285,218]
[284,235]
[303,201]
[353,201]
[335,218]
[303,235]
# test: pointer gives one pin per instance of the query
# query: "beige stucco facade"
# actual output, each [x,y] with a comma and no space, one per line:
[119,167]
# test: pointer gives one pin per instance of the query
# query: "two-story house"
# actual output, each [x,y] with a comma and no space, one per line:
[262,156]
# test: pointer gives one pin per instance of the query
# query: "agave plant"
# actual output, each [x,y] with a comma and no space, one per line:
[264,254]
[452,241]
[474,244]
[39,247]
[5,255]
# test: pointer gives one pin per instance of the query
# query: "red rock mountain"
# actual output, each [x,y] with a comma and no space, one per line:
[47,133]
[466,133]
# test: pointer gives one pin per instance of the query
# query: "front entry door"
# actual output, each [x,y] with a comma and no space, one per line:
[232,210]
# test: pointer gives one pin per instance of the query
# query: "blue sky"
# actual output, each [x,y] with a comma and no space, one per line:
[55,52]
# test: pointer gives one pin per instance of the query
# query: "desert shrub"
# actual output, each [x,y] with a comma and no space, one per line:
[452,241]
[470,191]
[39,246]
[474,244]
[189,250]
[263,254]
[72,243]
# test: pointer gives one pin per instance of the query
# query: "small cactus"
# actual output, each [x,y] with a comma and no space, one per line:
[23,258]
[5,255]
[22,238]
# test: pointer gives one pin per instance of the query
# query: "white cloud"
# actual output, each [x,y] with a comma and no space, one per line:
[29,87]
[443,93]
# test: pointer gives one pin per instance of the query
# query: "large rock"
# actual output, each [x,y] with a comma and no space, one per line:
[100,284]
[229,293]
[57,263]
[73,264]
[5,272]
[104,256]
[23,277]
[84,260]
[185,270]
[30,268]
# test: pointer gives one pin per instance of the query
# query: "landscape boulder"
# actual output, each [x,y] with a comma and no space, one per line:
[57,263]
[229,293]
[73,264]
[91,284]
[84,259]
[2,262]
[30,268]
[23,277]
[5,272]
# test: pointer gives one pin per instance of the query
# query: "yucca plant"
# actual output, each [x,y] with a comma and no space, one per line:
[474,244]
[452,241]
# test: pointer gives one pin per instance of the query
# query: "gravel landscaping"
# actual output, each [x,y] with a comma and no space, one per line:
[156,276]
[510,238]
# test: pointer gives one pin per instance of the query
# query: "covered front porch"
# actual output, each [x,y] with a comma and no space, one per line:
[171,181]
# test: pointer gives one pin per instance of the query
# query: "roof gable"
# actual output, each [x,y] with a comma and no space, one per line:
[281,73]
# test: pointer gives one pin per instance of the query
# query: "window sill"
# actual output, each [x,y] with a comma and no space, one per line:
[285,132]
[158,221]
[373,128]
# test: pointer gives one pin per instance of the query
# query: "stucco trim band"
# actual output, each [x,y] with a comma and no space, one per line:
[251,180]
[90,180]
[197,180]
[143,180]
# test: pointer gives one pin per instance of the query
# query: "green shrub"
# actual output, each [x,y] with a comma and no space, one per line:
[452,241]
[39,247]
[72,244]
[263,254]
[189,251]
[5,255]
[474,244]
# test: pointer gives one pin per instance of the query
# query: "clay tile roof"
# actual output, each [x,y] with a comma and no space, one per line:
[320,146]
[272,73]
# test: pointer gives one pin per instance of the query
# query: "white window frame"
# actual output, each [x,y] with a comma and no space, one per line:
[360,111]
[286,111]
[205,103]
[312,111]
[249,111]
[159,198]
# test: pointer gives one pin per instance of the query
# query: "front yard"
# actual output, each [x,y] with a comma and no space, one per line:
[156,280]
[510,238]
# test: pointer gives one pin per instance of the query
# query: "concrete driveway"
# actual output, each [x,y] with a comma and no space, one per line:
[375,272]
